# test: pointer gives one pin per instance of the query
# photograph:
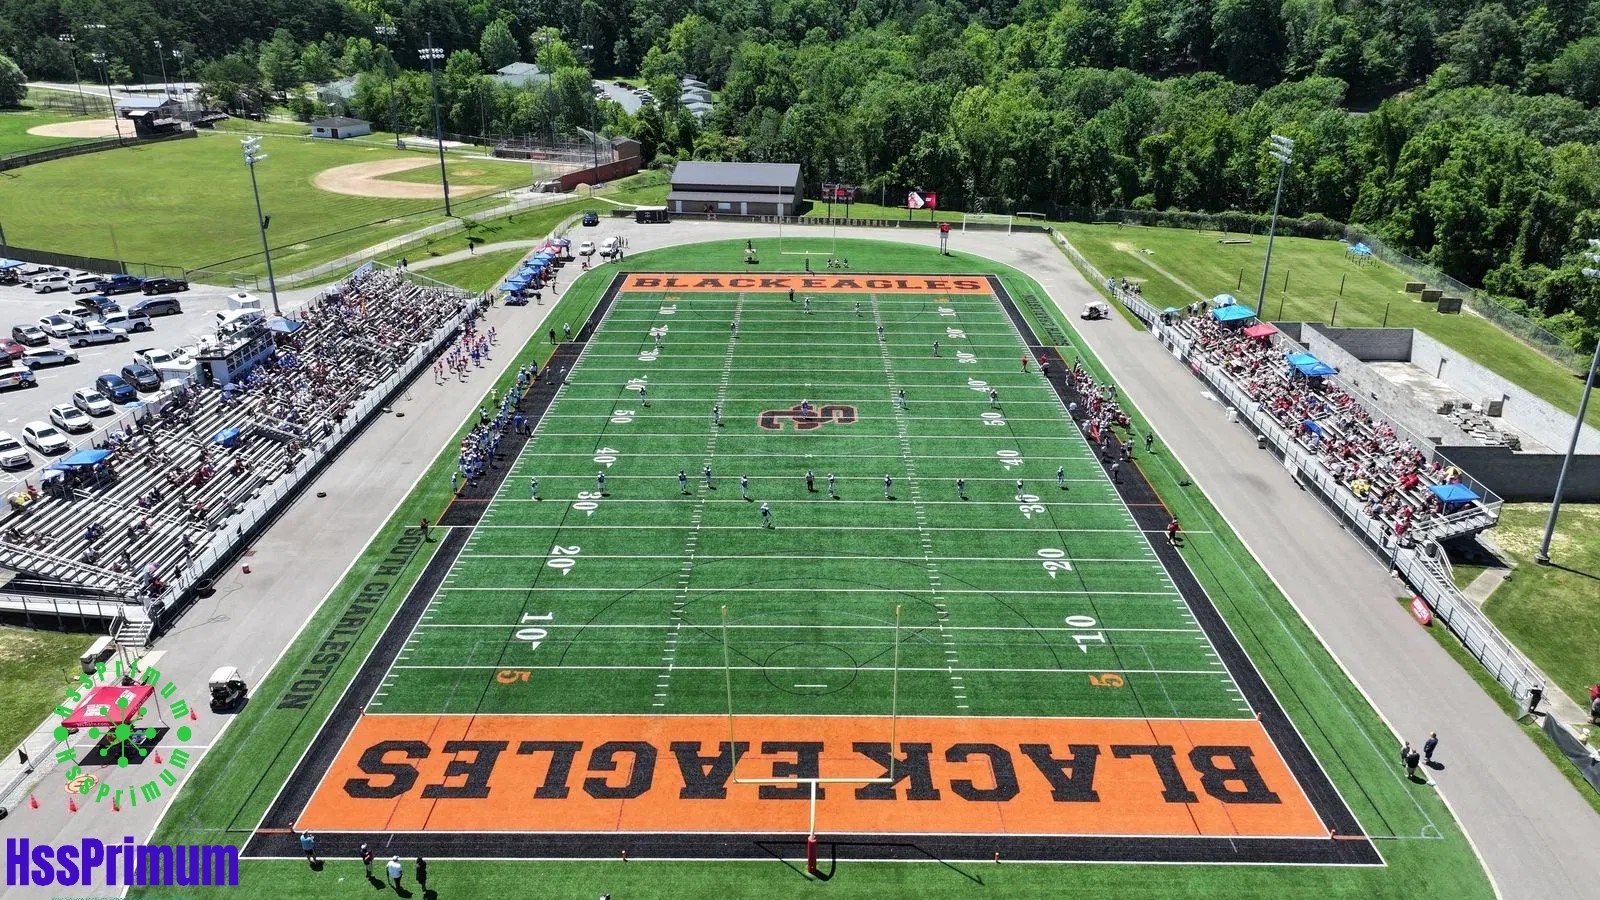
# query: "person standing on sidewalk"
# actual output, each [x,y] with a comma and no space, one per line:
[1428,746]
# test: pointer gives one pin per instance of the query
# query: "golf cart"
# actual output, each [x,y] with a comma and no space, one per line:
[1097,309]
[227,688]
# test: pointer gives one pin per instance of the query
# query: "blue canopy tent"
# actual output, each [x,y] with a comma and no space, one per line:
[1360,250]
[227,437]
[1236,313]
[1313,427]
[80,459]
[10,263]
[514,284]
[1454,493]
[1310,366]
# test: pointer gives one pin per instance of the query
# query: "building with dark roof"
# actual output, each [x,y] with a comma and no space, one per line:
[735,189]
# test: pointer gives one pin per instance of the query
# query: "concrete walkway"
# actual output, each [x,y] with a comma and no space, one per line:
[1536,835]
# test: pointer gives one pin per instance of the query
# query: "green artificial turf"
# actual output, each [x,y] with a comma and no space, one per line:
[227,795]
[1322,286]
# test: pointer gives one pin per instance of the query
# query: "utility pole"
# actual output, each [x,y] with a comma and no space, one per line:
[166,86]
[1543,556]
[387,32]
[116,121]
[70,41]
[432,54]
[594,135]
[253,155]
[1282,150]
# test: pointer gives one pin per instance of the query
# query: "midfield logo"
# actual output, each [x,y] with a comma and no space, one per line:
[806,417]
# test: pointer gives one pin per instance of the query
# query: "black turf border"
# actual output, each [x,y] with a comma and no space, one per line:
[1351,847]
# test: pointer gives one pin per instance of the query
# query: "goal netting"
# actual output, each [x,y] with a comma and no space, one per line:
[986,221]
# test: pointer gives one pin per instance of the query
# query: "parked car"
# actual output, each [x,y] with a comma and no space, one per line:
[156,306]
[58,325]
[70,418]
[29,335]
[92,402]
[116,388]
[164,286]
[29,273]
[120,284]
[83,284]
[155,357]
[591,218]
[143,377]
[45,438]
[586,248]
[12,454]
[97,305]
[97,334]
[17,377]
[10,349]
[39,357]
[46,284]
[126,321]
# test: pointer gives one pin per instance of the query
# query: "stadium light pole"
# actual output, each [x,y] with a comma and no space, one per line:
[253,155]
[594,136]
[71,42]
[1282,150]
[387,32]
[116,123]
[183,87]
[433,54]
[1543,556]
[166,86]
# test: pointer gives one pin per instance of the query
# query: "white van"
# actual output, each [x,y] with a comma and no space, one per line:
[83,284]
[48,283]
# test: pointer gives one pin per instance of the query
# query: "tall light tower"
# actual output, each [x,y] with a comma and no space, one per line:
[1282,150]
[594,136]
[71,43]
[387,32]
[433,54]
[183,86]
[166,86]
[253,155]
[116,123]
[1543,556]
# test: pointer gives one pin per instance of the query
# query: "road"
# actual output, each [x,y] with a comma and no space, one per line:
[1534,832]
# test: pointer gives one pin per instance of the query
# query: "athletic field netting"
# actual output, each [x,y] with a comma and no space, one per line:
[1025,654]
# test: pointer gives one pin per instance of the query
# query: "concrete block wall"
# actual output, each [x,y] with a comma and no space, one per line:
[1381,396]
[1526,412]
[1528,477]
[1369,344]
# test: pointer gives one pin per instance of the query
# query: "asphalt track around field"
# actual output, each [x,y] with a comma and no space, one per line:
[1345,845]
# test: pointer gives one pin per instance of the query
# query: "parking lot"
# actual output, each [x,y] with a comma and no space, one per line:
[19,406]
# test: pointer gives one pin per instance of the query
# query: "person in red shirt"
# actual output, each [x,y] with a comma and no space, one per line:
[1174,533]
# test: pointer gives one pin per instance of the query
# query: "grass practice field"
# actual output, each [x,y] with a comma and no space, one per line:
[14,136]
[188,203]
[576,643]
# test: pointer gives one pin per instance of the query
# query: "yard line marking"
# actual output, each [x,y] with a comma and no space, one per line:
[809,557]
[875,669]
[583,526]
[527,589]
[1030,629]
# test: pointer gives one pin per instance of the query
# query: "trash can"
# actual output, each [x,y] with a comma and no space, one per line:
[1261,441]
[1233,414]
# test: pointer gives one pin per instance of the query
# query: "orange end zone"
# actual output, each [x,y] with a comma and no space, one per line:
[677,774]
[833,284]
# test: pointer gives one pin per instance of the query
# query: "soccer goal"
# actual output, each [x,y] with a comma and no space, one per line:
[987,221]
[814,242]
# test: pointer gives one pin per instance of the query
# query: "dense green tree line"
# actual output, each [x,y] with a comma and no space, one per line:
[1465,133]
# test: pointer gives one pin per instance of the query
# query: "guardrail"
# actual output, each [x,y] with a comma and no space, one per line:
[1423,567]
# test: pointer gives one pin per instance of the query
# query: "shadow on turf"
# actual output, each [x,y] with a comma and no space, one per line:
[826,874]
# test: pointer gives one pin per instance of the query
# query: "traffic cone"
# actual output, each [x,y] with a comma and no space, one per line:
[72,804]
[158,757]
[33,802]
[193,717]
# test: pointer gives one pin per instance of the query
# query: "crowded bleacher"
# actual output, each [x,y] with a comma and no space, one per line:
[127,518]
[1389,473]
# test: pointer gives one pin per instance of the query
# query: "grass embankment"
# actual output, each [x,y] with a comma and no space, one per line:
[225,797]
[1323,285]
[35,667]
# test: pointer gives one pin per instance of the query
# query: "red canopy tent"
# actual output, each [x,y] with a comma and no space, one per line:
[103,707]
[1260,330]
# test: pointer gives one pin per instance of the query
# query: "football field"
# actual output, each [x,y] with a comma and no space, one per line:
[850,541]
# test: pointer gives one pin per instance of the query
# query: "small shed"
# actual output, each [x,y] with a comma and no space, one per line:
[522,75]
[340,127]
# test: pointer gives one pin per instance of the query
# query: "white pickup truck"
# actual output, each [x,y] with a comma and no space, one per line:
[155,357]
[96,334]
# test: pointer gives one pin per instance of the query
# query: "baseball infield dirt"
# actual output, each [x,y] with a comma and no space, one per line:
[366,180]
[91,128]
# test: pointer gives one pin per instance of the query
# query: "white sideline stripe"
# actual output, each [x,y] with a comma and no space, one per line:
[811,558]
[584,526]
[1210,673]
[552,626]
[759,590]
[823,500]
